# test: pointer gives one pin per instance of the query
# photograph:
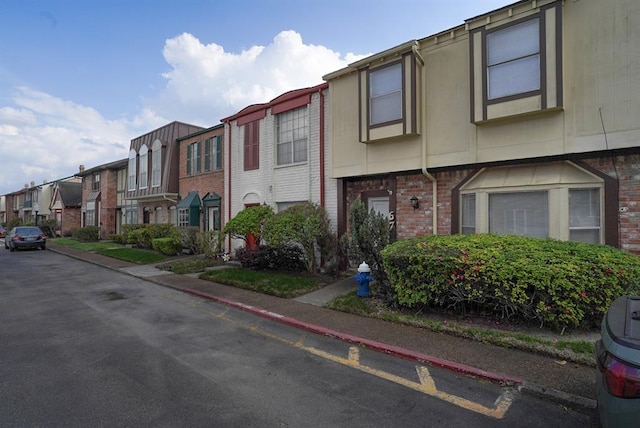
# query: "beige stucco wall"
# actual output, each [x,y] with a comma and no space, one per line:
[600,91]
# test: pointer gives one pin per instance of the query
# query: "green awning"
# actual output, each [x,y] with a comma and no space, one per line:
[190,201]
[211,199]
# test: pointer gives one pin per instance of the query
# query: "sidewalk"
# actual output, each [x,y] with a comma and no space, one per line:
[568,384]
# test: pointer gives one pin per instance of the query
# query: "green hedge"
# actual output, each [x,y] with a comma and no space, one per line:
[86,234]
[143,235]
[169,246]
[560,284]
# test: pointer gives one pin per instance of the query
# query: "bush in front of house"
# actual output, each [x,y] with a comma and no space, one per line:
[306,227]
[560,284]
[169,246]
[120,238]
[86,234]
[142,237]
[288,257]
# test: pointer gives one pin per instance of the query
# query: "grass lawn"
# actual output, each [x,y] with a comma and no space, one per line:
[113,250]
[276,284]
[192,264]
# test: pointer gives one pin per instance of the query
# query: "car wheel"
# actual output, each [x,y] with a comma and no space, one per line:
[11,248]
[44,247]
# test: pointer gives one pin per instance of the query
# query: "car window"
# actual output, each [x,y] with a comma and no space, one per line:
[28,231]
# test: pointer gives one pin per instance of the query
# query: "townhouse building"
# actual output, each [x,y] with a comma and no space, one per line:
[152,188]
[66,205]
[102,196]
[277,154]
[523,120]
[201,179]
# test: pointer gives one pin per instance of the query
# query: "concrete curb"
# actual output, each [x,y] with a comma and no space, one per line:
[377,346]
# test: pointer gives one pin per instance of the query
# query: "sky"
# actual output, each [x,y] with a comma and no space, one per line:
[79,79]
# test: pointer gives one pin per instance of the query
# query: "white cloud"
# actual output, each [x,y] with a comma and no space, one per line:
[206,83]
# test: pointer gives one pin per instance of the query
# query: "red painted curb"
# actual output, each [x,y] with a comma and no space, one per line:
[377,346]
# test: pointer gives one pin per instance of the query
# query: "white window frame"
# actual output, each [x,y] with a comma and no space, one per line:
[144,167]
[292,142]
[132,174]
[385,94]
[183,217]
[513,60]
[156,164]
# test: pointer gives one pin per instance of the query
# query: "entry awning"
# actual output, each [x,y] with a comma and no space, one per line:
[192,200]
[93,196]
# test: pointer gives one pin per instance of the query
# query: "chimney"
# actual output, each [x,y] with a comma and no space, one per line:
[33,184]
[81,168]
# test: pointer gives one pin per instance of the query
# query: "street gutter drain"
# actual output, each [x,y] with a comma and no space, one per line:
[113,295]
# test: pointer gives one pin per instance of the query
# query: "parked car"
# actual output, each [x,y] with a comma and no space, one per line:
[25,237]
[2,231]
[618,359]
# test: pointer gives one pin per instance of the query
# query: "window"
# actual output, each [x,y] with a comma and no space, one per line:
[513,60]
[521,213]
[385,94]
[89,215]
[132,170]
[156,163]
[292,136]
[96,182]
[213,153]
[144,167]
[468,223]
[584,215]
[183,217]
[252,145]
[193,158]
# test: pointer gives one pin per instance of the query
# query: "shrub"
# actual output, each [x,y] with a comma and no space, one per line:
[559,283]
[170,246]
[368,235]
[305,226]
[120,238]
[142,237]
[285,257]
[248,221]
[86,234]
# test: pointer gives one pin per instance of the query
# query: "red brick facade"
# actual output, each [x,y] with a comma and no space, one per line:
[401,187]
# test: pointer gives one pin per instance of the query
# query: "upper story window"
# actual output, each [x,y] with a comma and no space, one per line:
[513,60]
[213,153]
[292,136]
[194,153]
[385,94]
[144,167]
[516,64]
[156,164]
[252,145]
[132,170]
[96,182]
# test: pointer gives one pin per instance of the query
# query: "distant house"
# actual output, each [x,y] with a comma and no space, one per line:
[201,179]
[523,121]
[277,154]
[101,206]
[152,174]
[66,206]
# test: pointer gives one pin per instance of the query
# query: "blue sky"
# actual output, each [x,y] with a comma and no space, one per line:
[80,78]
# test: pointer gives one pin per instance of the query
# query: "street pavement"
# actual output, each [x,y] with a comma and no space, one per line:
[569,384]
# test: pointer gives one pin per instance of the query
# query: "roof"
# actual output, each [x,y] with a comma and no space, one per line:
[119,164]
[70,193]
[191,200]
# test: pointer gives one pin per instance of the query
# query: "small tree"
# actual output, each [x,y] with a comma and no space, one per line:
[248,221]
[305,224]
[368,235]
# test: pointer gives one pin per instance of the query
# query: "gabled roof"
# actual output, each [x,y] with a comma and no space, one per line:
[288,100]
[119,164]
[70,193]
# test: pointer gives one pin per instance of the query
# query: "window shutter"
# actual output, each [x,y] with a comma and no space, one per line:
[218,149]
[189,156]
[207,154]
[198,156]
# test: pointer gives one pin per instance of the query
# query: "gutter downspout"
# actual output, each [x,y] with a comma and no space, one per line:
[423,147]
[228,201]
[322,147]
